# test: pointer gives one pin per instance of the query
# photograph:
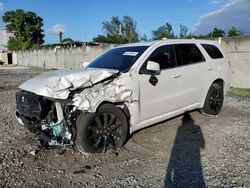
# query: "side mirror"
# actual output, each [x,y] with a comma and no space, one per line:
[153,67]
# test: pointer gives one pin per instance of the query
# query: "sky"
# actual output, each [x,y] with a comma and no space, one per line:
[82,19]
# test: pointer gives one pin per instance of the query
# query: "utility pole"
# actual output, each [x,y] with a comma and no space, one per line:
[60,37]
[120,29]
[212,33]
[129,35]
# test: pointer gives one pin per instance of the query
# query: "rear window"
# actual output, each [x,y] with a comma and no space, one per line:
[190,54]
[212,51]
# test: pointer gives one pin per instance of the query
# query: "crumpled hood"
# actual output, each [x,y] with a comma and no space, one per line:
[59,84]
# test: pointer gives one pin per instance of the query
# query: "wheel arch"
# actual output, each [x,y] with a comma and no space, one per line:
[217,80]
[120,105]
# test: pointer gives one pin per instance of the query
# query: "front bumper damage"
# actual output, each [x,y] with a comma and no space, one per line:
[52,116]
[52,121]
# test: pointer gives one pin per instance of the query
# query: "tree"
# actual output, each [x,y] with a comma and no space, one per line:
[27,29]
[191,35]
[216,33]
[113,27]
[183,32]
[118,31]
[144,37]
[234,32]
[129,29]
[100,38]
[115,39]
[67,40]
[165,31]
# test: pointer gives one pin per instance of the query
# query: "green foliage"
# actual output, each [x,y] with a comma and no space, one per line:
[113,39]
[216,33]
[144,37]
[234,32]
[118,31]
[17,43]
[124,31]
[183,32]
[112,27]
[234,91]
[67,40]
[27,29]
[100,38]
[165,31]
[190,36]
[129,29]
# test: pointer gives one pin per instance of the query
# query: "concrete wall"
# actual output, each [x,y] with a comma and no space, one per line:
[237,50]
[4,38]
[4,57]
[59,58]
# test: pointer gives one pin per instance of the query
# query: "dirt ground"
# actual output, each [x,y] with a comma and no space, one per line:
[191,150]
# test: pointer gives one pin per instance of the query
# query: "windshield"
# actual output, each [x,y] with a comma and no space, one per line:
[120,59]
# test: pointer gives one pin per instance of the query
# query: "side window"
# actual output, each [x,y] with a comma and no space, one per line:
[165,56]
[212,51]
[190,54]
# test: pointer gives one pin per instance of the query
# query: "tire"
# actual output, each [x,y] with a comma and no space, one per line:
[103,130]
[214,100]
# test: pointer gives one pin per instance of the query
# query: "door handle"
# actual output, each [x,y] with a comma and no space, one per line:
[210,69]
[176,76]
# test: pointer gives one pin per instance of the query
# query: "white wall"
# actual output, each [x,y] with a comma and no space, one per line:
[4,38]
[59,58]
[237,50]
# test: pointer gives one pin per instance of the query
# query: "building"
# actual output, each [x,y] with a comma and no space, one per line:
[5,56]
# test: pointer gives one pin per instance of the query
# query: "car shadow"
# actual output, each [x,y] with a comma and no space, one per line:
[185,167]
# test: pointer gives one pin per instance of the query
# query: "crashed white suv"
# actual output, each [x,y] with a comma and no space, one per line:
[125,89]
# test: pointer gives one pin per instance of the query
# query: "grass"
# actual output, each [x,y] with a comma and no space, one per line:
[244,92]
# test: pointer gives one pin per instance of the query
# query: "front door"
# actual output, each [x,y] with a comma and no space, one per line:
[160,98]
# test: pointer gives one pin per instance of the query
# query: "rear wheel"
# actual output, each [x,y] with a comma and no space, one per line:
[214,99]
[103,130]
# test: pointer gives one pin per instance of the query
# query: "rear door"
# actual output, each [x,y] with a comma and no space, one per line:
[218,66]
[192,70]
[216,61]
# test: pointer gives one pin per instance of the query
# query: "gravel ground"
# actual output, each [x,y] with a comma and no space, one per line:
[187,151]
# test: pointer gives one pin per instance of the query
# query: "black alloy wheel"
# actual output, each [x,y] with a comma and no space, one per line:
[106,129]
[214,99]
[104,132]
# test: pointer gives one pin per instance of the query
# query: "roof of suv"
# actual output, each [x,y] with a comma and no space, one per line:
[170,41]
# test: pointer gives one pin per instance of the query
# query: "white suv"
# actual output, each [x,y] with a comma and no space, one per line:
[125,89]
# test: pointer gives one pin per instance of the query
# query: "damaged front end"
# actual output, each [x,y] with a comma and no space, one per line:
[50,110]
[92,107]
[52,121]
